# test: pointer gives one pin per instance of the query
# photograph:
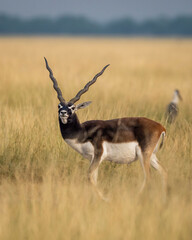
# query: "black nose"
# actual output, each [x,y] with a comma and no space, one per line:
[62,113]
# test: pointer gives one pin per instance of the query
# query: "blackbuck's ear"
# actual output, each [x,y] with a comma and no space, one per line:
[83,105]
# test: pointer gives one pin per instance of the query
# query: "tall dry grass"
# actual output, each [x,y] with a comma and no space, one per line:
[44,193]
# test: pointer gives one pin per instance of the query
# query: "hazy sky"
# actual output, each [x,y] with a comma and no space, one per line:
[100,10]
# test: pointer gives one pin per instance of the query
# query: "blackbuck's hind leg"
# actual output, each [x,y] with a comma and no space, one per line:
[145,162]
[155,163]
[93,174]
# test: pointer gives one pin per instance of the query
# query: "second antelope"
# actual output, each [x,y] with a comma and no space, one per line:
[173,109]
[122,140]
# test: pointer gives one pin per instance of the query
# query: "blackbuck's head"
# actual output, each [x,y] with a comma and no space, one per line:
[67,109]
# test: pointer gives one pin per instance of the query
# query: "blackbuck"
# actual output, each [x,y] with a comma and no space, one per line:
[173,109]
[122,140]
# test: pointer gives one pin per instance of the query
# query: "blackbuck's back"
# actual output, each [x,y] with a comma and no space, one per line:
[140,129]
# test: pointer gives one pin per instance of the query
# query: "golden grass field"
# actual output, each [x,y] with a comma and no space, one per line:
[44,192]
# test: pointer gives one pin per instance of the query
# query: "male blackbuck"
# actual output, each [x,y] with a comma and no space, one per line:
[173,109]
[122,140]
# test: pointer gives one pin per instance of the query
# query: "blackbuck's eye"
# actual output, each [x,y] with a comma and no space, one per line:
[72,108]
[60,106]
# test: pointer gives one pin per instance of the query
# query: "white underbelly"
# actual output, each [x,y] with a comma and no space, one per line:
[120,152]
[115,152]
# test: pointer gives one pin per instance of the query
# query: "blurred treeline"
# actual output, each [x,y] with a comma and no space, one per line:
[78,25]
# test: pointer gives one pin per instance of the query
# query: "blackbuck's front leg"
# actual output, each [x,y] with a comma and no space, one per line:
[93,170]
[94,166]
[93,174]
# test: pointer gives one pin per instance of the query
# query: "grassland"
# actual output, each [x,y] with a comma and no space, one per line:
[44,193]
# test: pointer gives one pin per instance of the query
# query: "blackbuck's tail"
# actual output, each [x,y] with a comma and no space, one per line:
[162,140]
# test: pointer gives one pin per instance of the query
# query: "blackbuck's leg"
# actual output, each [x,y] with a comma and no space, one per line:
[155,163]
[140,156]
[145,163]
[94,166]
[93,171]
[93,174]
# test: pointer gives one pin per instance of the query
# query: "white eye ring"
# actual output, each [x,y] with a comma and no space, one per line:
[72,107]
[60,106]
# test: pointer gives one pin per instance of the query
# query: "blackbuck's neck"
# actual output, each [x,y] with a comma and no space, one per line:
[71,129]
